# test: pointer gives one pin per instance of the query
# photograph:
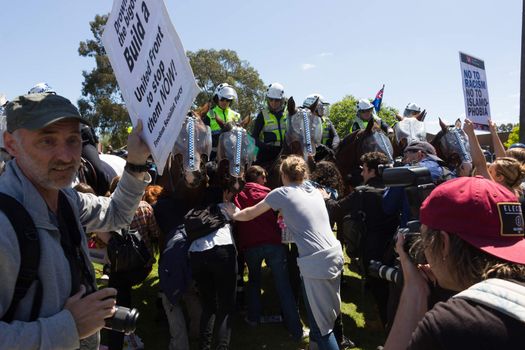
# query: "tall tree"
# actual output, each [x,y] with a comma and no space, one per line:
[102,103]
[212,67]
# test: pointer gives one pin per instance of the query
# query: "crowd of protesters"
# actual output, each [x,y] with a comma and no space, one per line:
[463,282]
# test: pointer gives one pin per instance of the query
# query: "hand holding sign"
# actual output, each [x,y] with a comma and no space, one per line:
[152,70]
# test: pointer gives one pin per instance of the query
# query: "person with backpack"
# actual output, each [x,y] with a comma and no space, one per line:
[53,303]
[369,238]
[472,240]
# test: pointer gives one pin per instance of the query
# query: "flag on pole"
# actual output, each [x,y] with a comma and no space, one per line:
[378,99]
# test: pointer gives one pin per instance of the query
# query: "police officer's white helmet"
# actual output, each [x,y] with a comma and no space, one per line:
[275,91]
[364,105]
[411,108]
[41,88]
[225,91]
[310,99]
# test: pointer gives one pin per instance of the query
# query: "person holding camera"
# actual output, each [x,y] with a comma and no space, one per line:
[379,226]
[61,307]
[472,239]
[423,154]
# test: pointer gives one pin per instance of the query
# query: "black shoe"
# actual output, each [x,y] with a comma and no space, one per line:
[346,343]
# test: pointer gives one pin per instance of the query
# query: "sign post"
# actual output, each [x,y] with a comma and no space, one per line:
[475,90]
[153,72]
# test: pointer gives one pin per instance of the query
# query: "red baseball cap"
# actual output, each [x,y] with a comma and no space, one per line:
[481,212]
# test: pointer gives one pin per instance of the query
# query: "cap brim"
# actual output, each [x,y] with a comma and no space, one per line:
[46,120]
[436,158]
[513,253]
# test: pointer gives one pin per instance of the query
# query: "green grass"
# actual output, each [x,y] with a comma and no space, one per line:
[360,318]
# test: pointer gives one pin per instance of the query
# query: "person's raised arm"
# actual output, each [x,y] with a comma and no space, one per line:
[413,303]
[478,160]
[138,153]
[499,149]
[250,213]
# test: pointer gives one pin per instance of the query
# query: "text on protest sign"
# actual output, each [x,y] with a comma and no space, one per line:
[475,91]
[152,70]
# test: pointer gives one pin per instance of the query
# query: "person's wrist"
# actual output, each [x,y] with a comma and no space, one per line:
[136,167]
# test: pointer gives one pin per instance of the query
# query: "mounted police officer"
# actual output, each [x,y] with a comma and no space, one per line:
[270,125]
[221,114]
[365,113]
[330,136]
[411,110]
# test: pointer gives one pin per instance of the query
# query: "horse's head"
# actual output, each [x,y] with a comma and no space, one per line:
[192,150]
[409,129]
[453,147]
[236,151]
[304,129]
[354,145]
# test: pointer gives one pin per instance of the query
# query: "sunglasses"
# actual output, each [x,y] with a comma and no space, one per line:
[225,99]
[274,99]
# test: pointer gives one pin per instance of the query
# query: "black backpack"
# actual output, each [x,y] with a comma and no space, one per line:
[354,224]
[200,222]
[29,246]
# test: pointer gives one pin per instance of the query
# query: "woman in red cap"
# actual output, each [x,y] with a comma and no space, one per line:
[472,238]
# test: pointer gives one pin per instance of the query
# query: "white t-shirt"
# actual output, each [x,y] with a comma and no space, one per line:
[305,216]
[222,236]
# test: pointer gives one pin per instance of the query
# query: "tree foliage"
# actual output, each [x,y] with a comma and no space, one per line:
[102,102]
[212,67]
[514,136]
[343,114]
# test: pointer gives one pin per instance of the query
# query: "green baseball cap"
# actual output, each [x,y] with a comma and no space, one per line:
[35,111]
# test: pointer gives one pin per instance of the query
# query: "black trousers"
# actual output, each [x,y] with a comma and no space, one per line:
[215,273]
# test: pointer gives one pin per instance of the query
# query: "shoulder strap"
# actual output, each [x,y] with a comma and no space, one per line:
[504,296]
[29,246]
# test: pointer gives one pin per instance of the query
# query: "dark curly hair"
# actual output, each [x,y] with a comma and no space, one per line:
[327,174]
[373,160]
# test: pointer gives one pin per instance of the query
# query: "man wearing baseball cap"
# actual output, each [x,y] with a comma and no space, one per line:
[62,308]
[472,239]
[424,154]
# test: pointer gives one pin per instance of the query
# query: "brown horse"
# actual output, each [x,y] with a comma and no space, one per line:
[452,145]
[303,136]
[354,145]
[185,171]
[236,151]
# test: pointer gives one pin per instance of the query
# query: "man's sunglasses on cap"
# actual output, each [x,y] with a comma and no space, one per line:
[225,99]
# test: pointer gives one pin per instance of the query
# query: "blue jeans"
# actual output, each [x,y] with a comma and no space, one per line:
[324,342]
[275,258]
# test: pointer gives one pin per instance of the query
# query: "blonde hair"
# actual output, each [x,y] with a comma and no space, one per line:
[517,153]
[295,169]
[512,171]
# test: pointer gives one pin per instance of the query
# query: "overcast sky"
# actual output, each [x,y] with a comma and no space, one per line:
[331,47]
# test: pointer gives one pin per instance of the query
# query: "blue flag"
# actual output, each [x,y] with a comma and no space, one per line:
[378,99]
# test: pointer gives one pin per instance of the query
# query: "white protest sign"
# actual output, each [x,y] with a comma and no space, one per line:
[475,90]
[152,70]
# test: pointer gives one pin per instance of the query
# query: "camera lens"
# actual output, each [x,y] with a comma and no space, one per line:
[124,320]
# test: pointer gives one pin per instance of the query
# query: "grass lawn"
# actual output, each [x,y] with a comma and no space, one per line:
[360,318]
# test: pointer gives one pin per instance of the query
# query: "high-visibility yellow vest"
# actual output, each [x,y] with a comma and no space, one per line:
[226,115]
[326,131]
[362,124]
[274,126]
